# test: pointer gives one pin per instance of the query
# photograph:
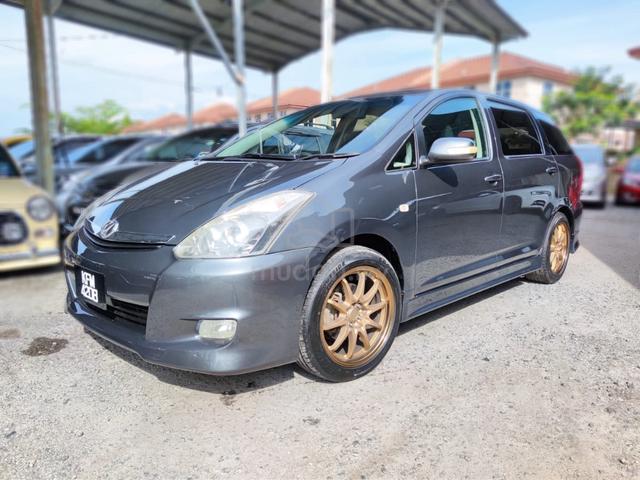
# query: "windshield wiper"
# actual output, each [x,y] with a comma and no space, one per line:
[328,155]
[271,156]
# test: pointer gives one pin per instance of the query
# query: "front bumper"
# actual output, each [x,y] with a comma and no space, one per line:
[594,191]
[264,294]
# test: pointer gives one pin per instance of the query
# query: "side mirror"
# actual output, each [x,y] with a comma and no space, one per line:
[451,149]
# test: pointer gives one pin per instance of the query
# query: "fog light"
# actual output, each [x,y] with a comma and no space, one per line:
[217,329]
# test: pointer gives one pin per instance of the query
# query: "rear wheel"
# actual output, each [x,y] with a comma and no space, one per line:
[351,315]
[555,253]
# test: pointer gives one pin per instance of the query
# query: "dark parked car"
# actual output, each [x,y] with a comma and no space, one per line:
[628,191]
[149,155]
[86,156]
[256,257]
[62,147]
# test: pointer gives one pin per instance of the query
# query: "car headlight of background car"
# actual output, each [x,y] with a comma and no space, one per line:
[40,208]
[245,230]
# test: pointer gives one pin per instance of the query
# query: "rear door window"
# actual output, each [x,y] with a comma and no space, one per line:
[516,131]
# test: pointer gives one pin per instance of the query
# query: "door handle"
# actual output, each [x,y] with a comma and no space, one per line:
[493,178]
[551,170]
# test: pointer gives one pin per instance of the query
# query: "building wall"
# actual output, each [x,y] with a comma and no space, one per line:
[529,90]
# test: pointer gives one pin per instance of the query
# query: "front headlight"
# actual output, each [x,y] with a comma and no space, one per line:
[40,208]
[245,230]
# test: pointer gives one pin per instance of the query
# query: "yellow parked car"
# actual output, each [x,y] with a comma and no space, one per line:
[28,221]
[15,140]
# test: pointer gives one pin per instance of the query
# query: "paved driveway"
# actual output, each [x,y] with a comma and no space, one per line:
[523,381]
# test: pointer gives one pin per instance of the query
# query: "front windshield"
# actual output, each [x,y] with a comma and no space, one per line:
[7,167]
[345,127]
[23,149]
[634,165]
[188,146]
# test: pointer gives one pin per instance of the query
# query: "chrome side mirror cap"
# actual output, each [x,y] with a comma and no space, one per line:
[451,150]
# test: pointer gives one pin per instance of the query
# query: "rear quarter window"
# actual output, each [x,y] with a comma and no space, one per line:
[516,131]
[555,141]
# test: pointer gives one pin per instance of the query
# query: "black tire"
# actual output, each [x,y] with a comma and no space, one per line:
[312,356]
[546,274]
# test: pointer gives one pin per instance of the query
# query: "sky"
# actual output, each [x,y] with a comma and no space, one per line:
[149,80]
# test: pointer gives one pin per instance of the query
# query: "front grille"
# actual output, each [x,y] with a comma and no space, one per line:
[129,312]
[107,244]
[122,312]
[13,229]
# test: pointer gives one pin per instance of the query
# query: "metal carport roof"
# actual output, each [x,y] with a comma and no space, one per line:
[264,34]
[278,32]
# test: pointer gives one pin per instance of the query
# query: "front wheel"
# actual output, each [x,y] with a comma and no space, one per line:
[351,315]
[555,252]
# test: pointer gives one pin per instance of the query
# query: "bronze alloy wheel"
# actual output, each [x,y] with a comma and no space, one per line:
[357,316]
[559,247]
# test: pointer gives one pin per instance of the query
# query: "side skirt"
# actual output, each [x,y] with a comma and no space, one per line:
[439,297]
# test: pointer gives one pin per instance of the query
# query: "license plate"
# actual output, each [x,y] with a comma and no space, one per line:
[90,286]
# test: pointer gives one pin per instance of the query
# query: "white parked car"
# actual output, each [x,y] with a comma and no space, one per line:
[594,183]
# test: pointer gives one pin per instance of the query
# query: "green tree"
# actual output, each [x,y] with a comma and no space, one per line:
[107,117]
[596,101]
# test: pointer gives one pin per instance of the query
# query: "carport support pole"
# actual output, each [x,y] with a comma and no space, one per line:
[53,59]
[495,66]
[236,75]
[188,86]
[274,94]
[328,35]
[33,13]
[238,38]
[438,32]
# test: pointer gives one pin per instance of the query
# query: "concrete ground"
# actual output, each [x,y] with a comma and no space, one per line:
[523,381]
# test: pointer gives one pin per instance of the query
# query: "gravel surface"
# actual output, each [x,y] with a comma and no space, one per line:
[523,381]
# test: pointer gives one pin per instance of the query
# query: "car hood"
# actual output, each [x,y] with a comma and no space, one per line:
[167,206]
[16,191]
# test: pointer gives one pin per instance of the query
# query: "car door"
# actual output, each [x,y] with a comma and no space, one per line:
[530,180]
[459,205]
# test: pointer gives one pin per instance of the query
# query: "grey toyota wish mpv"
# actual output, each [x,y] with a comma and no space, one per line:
[313,237]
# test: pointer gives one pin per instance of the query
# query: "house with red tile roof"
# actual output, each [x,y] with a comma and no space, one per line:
[216,113]
[167,124]
[519,77]
[289,101]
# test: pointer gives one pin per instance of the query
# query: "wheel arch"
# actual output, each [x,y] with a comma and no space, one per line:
[378,243]
[569,214]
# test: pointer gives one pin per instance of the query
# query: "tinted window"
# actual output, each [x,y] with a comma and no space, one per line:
[455,118]
[405,157]
[187,147]
[556,142]
[7,168]
[106,150]
[349,126]
[62,151]
[516,131]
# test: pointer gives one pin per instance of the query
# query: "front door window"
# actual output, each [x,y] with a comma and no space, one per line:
[456,118]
